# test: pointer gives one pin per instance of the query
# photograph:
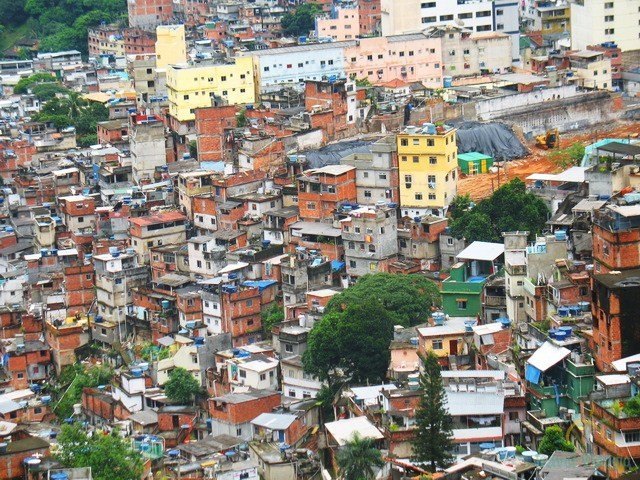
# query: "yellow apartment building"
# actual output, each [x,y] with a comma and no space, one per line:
[197,86]
[428,168]
[171,45]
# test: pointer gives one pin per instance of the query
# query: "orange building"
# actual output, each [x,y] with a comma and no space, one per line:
[320,190]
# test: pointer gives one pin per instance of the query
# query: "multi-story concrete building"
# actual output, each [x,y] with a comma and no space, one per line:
[147,14]
[466,53]
[592,69]
[171,45]
[409,57]
[598,21]
[376,172]
[401,16]
[341,24]
[106,40]
[117,274]
[160,229]
[548,17]
[428,169]
[149,82]
[515,273]
[278,68]
[147,146]
[370,240]
[78,212]
[205,85]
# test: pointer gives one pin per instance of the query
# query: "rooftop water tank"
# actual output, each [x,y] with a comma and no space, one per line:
[413,386]
[563,311]
[560,235]
[575,310]
[540,459]
[198,341]
[59,476]
[561,335]
[528,455]
[438,318]
[46,399]
[165,304]
[505,321]
[113,251]
[567,330]
[136,372]
[585,306]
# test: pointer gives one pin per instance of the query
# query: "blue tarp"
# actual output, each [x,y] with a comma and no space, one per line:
[261,284]
[532,374]
[337,265]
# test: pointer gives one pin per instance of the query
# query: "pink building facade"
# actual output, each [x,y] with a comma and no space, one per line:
[412,57]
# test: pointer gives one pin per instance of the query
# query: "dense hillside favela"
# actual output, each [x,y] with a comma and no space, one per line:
[322,240]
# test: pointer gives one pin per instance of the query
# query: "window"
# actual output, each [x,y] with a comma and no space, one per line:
[372,248]
[20,375]
[428,19]
[609,31]
[242,373]
[608,5]
[433,160]
[367,193]
[263,377]
[418,196]
[432,196]
[407,178]
[430,141]
[436,344]
[461,304]
[431,179]
[608,18]
[483,28]
[485,13]
[450,241]
[416,159]
[499,11]
[631,437]
[446,18]
[289,349]
[465,15]
[382,176]
[365,174]
[427,4]
[416,141]
[352,264]
[80,219]
[311,205]
[356,229]
[520,283]
[404,142]
[292,393]
[239,430]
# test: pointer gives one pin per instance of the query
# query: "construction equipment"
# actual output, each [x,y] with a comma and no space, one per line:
[550,139]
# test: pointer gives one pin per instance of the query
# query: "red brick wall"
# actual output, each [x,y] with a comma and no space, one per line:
[244,412]
[211,124]
[623,249]
[166,422]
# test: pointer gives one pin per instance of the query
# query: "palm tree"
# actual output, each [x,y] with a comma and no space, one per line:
[358,459]
[74,104]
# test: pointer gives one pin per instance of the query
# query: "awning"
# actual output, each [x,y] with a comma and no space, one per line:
[547,356]
[571,175]
[486,251]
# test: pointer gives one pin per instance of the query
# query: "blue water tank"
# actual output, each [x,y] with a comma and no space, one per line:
[198,340]
[99,319]
[505,321]
[552,332]
[165,304]
[136,372]
[560,235]
[585,306]
[563,311]
[46,399]
[266,243]
[575,310]
[561,335]
[447,83]
[567,330]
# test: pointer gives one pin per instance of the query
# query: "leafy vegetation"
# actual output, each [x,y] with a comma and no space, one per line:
[59,24]
[432,444]
[359,459]
[406,299]
[301,21]
[351,344]
[72,380]
[510,208]
[272,316]
[181,387]
[72,110]
[553,440]
[24,84]
[632,407]
[109,456]
[568,157]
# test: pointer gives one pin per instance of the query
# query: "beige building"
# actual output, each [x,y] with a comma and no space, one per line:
[598,21]
[466,53]
[591,70]
[171,45]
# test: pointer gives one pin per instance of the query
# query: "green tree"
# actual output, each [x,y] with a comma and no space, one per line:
[432,443]
[359,459]
[181,387]
[459,206]
[46,91]
[85,141]
[632,407]
[301,21]
[351,344]
[271,316]
[407,299]
[109,456]
[552,440]
[73,379]
[511,207]
[24,84]
[193,149]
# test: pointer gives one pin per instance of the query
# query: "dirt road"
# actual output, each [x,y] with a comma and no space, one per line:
[481,186]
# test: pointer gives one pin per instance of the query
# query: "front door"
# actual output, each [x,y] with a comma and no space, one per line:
[453,347]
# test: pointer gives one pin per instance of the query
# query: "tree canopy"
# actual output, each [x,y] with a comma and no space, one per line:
[271,316]
[552,440]
[60,24]
[359,459]
[181,386]
[24,84]
[71,382]
[109,456]
[301,21]
[351,344]
[511,207]
[407,299]
[432,443]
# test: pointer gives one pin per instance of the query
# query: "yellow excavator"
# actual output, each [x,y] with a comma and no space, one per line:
[550,139]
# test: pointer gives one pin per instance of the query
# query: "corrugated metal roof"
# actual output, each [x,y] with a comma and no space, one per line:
[474,403]
[547,356]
